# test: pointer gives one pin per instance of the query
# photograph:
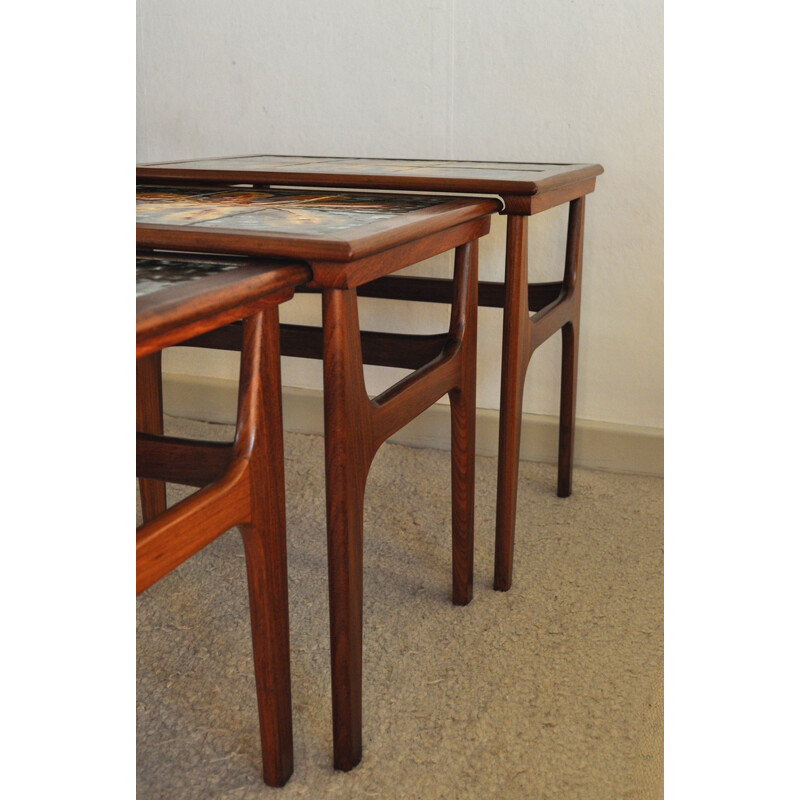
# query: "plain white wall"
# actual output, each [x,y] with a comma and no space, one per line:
[577,81]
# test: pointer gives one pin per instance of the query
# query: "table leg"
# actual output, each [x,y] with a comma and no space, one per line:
[515,358]
[150,419]
[464,323]
[569,346]
[355,426]
[348,452]
[264,538]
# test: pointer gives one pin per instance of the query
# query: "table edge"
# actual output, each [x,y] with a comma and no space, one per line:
[547,181]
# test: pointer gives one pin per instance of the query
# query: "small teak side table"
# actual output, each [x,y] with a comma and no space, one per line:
[526,189]
[350,240]
[242,482]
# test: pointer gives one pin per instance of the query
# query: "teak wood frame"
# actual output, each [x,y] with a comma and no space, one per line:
[243,486]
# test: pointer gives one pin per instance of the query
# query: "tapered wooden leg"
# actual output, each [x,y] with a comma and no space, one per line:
[150,419]
[515,358]
[462,425]
[566,424]
[265,543]
[569,347]
[347,456]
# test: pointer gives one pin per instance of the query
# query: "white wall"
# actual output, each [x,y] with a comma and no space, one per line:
[551,80]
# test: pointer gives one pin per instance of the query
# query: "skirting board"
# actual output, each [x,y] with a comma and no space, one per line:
[598,445]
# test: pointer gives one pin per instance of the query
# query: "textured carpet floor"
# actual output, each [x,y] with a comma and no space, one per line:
[552,690]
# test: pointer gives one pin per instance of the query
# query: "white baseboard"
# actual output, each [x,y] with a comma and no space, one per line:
[598,445]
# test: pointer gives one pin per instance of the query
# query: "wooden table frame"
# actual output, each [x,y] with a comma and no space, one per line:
[525,189]
[355,425]
[241,483]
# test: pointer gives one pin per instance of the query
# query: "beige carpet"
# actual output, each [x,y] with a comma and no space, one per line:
[552,690]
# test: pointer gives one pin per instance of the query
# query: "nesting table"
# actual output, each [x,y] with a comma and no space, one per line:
[525,189]
[345,241]
[242,482]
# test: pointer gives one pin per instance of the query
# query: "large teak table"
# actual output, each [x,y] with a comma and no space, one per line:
[526,189]
[351,241]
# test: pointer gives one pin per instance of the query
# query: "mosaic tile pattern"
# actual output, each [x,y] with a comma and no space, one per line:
[286,211]
[156,274]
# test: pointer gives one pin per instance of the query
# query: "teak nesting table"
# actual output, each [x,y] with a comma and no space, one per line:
[241,483]
[347,241]
[526,189]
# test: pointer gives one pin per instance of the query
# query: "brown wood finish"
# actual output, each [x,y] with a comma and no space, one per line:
[369,267]
[406,351]
[264,537]
[378,348]
[184,461]
[347,457]
[170,317]
[150,419]
[514,364]
[416,175]
[520,339]
[464,328]
[244,488]
[528,204]
[440,290]
[358,236]
[338,260]
[569,347]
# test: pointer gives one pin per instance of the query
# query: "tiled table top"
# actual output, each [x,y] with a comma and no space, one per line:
[330,226]
[482,177]
[318,214]
[162,274]
[181,296]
